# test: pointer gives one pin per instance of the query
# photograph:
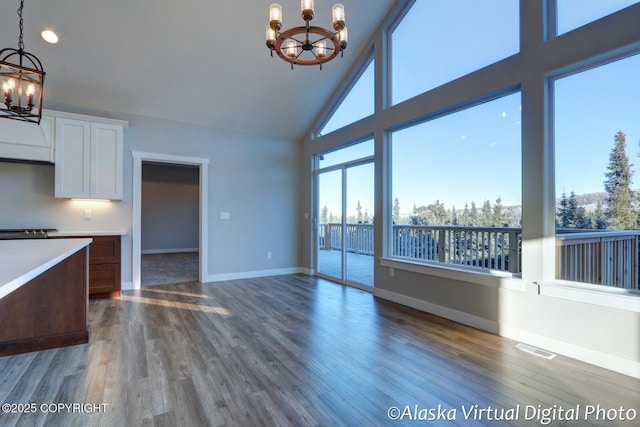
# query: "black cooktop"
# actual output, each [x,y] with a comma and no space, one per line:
[25,233]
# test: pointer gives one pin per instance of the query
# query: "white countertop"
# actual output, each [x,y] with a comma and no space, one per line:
[65,233]
[23,260]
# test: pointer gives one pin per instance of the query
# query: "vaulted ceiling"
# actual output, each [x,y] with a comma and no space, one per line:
[195,61]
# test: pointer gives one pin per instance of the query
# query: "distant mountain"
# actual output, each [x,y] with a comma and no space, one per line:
[588,200]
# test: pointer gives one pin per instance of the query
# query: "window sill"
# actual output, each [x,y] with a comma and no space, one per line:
[605,296]
[494,278]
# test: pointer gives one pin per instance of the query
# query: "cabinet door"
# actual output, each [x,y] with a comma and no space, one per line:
[72,158]
[105,250]
[106,161]
[104,278]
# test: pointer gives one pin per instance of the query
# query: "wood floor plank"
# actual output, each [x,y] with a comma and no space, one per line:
[291,350]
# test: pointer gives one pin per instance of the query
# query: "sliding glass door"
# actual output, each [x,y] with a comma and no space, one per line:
[330,239]
[344,232]
[358,234]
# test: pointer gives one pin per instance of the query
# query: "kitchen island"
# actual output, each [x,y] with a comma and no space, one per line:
[43,294]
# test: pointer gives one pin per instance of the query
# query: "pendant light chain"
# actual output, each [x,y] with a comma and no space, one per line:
[20,40]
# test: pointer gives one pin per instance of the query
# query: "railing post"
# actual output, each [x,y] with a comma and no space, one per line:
[327,237]
[635,262]
[441,243]
[514,253]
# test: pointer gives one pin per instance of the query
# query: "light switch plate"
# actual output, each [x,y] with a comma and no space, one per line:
[225,215]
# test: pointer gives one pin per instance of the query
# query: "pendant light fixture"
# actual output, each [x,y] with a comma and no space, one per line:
[306,45]
[22,79]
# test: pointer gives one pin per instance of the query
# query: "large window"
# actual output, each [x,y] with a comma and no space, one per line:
[576,13]
[493,104]
[596,154]
[439,41]
[358,104]
[456,187]
[346,154]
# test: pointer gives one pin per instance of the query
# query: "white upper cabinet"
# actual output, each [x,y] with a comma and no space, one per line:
[73,159]
[106,161]
[88,158]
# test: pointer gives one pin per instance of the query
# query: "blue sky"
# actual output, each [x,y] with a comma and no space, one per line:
[585,130]
[476,153]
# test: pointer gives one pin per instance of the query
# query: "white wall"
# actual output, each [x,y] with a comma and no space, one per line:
[254,178]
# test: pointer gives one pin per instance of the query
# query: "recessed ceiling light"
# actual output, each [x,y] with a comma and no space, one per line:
[49,36]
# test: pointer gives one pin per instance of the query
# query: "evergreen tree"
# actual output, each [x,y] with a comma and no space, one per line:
[620,212]
[576,214]
[486,219]
[498,213]
[465,219]
[563,217]
[473,215]
[396,211]
[324,215]
[599,219]
[453,215]
[439,213]
[359,212]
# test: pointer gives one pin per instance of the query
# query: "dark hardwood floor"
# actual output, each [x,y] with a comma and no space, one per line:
[298,351]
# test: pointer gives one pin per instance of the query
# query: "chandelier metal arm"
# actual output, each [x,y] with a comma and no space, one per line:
[300,42]
[292,32]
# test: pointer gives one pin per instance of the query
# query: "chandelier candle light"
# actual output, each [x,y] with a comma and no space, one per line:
[306,45]
[22,79]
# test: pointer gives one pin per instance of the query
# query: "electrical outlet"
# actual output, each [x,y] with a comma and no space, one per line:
[88,214]
[268,255]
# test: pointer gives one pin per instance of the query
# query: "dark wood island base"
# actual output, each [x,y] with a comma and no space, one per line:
[49,311]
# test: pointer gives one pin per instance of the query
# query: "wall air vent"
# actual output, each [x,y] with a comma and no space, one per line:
[533,350]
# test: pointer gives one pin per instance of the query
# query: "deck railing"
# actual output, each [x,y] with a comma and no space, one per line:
[359,237]
[496,248]
[608,258]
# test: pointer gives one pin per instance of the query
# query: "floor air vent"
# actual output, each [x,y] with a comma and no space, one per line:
[536,351]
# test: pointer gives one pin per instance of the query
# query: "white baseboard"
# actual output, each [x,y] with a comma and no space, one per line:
[307,271]
[167,251]
[593,357]
[254,274]
[438,310]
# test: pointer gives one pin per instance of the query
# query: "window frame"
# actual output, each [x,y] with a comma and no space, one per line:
[336,100]
[541,57]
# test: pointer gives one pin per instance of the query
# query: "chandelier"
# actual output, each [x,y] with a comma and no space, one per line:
[22,79]
[306,45]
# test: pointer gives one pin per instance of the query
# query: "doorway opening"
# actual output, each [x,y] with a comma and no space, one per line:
[170,227]
[191,166]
